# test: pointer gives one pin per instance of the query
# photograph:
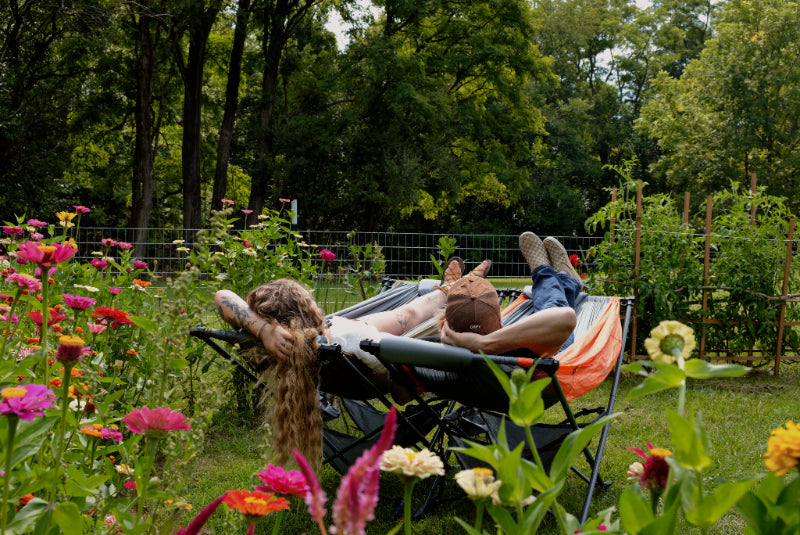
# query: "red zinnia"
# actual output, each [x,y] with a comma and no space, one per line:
[656,470]
[116,317]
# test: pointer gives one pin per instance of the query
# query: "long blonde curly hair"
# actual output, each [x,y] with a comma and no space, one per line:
[294,413]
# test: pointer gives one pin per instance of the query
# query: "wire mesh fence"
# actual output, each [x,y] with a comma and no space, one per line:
[407,255]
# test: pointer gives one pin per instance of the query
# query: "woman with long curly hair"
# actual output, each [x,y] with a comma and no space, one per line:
[286,320]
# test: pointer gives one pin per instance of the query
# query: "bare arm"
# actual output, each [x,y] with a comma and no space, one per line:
[234,310]
[543,332]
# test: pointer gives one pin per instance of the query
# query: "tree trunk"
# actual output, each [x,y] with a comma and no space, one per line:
[272,45]
[192,108]
[142,183]
[231,105]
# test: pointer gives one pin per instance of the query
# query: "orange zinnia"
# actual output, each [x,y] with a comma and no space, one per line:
[143,284]
[255,503]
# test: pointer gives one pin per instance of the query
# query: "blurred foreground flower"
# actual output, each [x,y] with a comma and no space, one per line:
[478,483]
[45,255]
[655,470]
[783,449]
[327,255]
[669,339]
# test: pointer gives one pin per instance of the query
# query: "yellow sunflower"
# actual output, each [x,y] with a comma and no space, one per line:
[668,336]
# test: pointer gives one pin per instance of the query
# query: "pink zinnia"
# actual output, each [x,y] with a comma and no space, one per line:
[26,401]
[14,318]
[36,223]
[138,264]
[124,245]
[114,291]
[108,242]
[77,302]
[99,264]
[246,211]
[37,236]
[81,209]
[285,200]
[227,201]
[111,434]
[95,328]
[45,255]
[155,422]
[12,231]
[327,255]
[281,481]
[50,272]
[25,281]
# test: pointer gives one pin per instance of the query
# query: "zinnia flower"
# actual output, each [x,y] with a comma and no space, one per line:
[327,255]
[478,483]
[409,463]
[227,201]
[36,223]
[13,231]
[667,337]
[155,422]
[26,401]
[55,317]
[138,264]
[255,503]
[71,349]
[783,449]
[246,211]
[655,470]
[281,481]
[66,216]
[285,200]
[573,259]
[141,283]
[99,264]
[77,302]
[96,328]
[45,255]
[25,281]
[124,469]
[81,210]
[116,317]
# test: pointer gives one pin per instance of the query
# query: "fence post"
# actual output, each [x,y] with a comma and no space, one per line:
[706,266]
[787,267]
[686,198]
[637,251]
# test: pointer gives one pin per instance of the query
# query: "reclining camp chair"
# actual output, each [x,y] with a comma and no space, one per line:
[462,398]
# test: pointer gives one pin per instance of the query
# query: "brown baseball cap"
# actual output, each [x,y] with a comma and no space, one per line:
[473,306]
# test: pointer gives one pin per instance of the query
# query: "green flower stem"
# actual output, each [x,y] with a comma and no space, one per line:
[479,507]
[43,328]
[57,470]
[409,488]
[532,446]
[12,431]
[277,526]
[678,354]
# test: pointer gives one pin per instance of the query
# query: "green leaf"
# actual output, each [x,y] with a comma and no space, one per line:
[689,442]
[528,408]
[667,376]
[27,517]
[634,509]
[712,506]
[573,445]
[178,363]
[78,484]
[700,369]
[68,518]
[144,323]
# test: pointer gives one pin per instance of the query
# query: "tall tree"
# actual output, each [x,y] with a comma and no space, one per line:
[243,12]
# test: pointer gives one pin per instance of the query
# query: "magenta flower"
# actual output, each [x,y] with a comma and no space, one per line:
[36,223]
[76,302]
[111,434]
[14,318]
[655,471]
[81,209]
[246,211]
[114,291]
[45,255]
[138,264]
[327,255]
[281,481]
[196,525]
[55,317]
[315,497]
[71,349]
[285,200]
[125,246]
[227,201]
[108,242]
[26,401]
[12,231]
[37,236]
[358,493]
[246,243]
[155,422]
[99,264]
[50,272]
[25,281]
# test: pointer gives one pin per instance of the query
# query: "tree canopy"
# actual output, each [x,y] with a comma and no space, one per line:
[447,115]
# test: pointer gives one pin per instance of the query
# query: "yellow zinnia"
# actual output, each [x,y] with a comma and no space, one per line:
[66,216]
[666,337]
[783,449]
